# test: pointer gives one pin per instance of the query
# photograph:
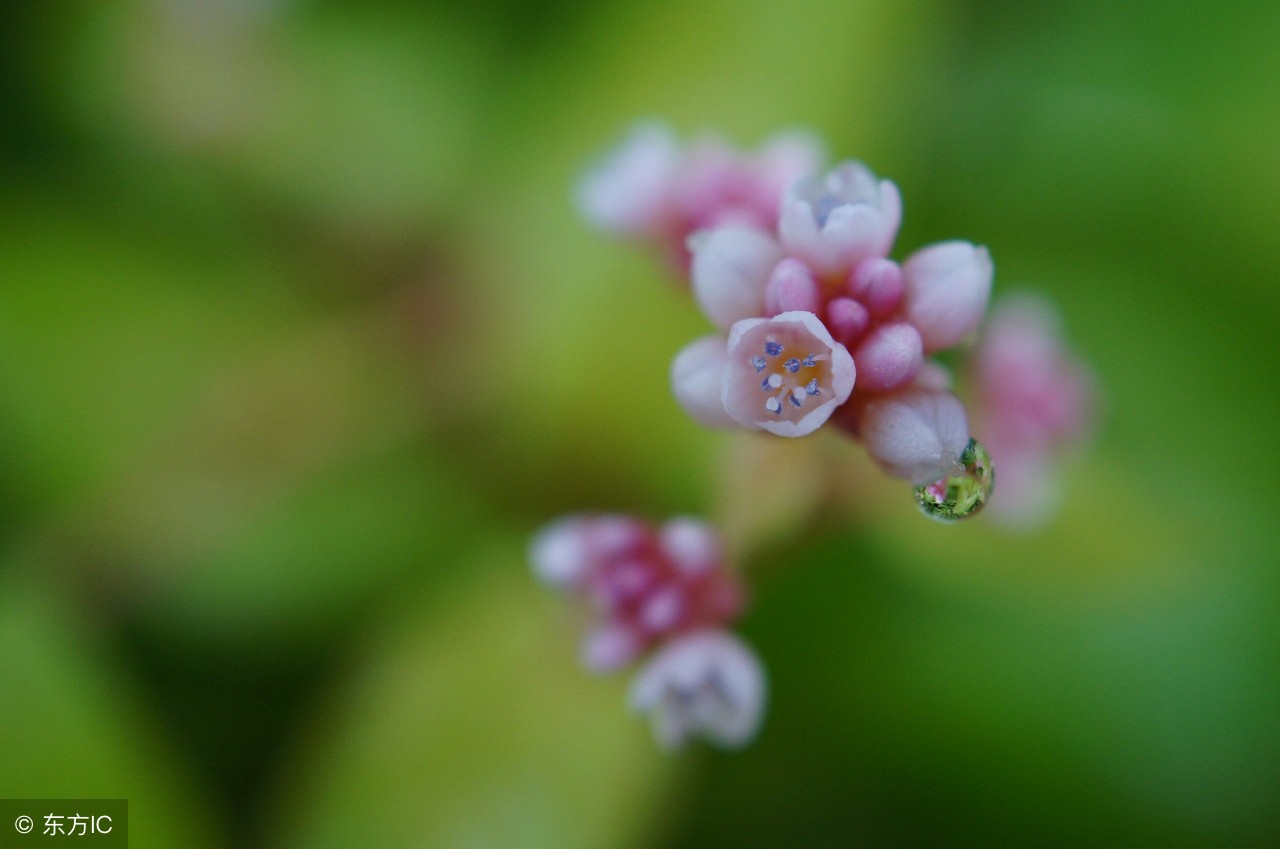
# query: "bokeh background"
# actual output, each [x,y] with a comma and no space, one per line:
[300,339]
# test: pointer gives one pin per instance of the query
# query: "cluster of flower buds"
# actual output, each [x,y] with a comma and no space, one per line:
[817,323]
[668,591]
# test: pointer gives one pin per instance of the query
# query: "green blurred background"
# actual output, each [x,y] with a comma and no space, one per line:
[300,339]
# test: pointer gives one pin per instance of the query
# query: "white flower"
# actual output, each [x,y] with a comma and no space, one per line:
[707,684]
[835,221]
[785,374]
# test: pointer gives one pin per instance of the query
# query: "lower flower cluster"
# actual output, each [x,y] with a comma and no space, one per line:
[665,592]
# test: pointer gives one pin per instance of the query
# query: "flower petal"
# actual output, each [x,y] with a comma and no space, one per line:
[697,380]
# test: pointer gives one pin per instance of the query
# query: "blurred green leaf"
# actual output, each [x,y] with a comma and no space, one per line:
[468,723]
[73,726]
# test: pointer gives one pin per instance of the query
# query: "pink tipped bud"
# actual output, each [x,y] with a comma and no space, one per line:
[847,320]
[609,647]
[888,357]
[692,545]
[561,553]
[791,287]
[877,283]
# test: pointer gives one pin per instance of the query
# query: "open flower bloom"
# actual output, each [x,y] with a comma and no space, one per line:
[836,220]
[653,189]
[1034,399]
[644,583]
[784,375]
[706,684]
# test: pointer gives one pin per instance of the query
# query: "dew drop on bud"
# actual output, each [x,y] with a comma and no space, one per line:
[962,494]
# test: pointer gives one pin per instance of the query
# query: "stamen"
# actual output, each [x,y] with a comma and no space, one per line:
[792,365]
[759,363]
[773,381]
[812,387]
[773,406]
[809,361]
[772,348]
[796,397]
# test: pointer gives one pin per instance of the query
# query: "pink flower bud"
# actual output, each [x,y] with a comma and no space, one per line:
[888,357]
[791,287]
[692,545]
[847,319]
[629,191]
[697,380]
[877,284]
[609,647]
[731,267]
[915,434]
[947,287]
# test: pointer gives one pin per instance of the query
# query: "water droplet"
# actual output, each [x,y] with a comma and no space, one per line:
[962,494]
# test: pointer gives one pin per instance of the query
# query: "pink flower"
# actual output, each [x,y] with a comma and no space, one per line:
[785,374]
[706,684]
[730,272]
[645,584]
[834,221]
[1034,399]
[947,289]
[653,190]
[628,192]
